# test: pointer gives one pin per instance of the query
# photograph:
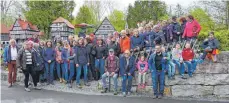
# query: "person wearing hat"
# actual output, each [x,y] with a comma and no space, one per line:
[127,67]
[111,70]
[176,30]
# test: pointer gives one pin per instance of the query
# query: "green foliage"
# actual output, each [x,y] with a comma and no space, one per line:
[117,20]
[204,19]
[85,15]
[42,13]
[145,11]
[221,35]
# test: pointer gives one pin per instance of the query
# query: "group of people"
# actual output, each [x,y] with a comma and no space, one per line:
[99,58]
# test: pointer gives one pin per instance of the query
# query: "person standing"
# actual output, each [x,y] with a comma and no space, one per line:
[115,46]
[127,67]
[111,71]
[9,57]
[176,29]
[192,28]
[81,61]
[142,67]
[49,55]
[26,62]
[124,42]
[157,66]
[59,61]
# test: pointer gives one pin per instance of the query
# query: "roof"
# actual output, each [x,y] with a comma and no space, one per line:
[24,24]
[104,24]
[4,29]
[62,20]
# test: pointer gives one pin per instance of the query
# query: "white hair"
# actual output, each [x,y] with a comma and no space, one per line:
[156,26]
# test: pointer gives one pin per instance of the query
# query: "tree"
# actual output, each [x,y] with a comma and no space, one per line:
[145,11]
[117,19]
[179,10]
[85,15]
[42,13]
[203,18]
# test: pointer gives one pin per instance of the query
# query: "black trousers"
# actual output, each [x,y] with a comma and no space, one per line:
[27,71]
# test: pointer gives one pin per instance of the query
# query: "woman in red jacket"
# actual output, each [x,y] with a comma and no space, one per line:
[192,28]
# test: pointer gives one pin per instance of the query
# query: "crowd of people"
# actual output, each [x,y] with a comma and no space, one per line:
[98,59]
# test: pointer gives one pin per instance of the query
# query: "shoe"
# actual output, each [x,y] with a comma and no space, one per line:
[47,83]
[52,83]
[155,96]
[115,92]
[160,97]
[37,88]
[104,90]
[78,86]
[61,81]
[201,61]
[15,83]
[128,93]
[139,86]
[183,77]
[143,86]
[27,90]
[69,85]
[86,84]
[190,75]
[124,94]
[9,85]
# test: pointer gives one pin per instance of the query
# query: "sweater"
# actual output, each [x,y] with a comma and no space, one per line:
[187,54]
[192,29]
[142,66]
[49,54]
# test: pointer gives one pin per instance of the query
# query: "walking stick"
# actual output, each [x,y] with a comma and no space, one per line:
[109,81]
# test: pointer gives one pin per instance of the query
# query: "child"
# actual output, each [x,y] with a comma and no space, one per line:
[187,55]
[171,65]
[142,66]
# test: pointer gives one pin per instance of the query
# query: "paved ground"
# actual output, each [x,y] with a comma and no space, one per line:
[17,94]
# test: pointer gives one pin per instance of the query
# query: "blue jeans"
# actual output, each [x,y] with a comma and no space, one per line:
[129,85]
[65,65]
[59,68]
[158,79]
[84,67]
[189,65]
[49,69]
[177,62]
[115,79]
[72,72]
[194,64]
[171,69]
[99,64]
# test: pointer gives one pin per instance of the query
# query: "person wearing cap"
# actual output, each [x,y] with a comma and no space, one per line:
[176,30]
[127,68]
[100,51]
[157,65]
[124,41]
[111,70]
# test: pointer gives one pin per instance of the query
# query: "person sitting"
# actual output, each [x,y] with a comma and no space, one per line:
[142,67]
[111,70]
[136,41]
[210,46]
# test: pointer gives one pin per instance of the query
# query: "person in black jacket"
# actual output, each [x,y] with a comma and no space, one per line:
[114,45]
[100,51]
[81,61]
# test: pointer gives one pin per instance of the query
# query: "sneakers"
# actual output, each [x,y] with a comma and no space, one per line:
[27,90]
[115,92]
[139,86]
[86,84]
[155,96]
[69,85]
[124,94]
[78,86]
[128,93]
[183,77]
[104,90]
[61,80]
[143,86]
[160,97]
[37,88]
[9,85]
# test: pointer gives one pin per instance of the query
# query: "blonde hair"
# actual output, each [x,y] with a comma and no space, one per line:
[12,40]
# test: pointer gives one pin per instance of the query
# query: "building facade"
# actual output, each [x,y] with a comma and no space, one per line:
[5,37]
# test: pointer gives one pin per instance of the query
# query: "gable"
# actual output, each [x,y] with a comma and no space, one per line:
[105,28]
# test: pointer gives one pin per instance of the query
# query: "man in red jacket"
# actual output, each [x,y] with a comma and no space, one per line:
[187,55]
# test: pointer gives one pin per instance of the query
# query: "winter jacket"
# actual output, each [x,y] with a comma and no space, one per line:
[142,64]
[177,54]
[137,42]
[212,43]
[160,38]
[58,54]
[114,45]
[151,62]
[192,29]
[82,56]
[7,53]
[100,51]
[175,28]
[147,38]
[89,48]
[187,54]
[124,44]
[49,54]
[68,55]
[38,60]
[124,68]
[21,59]
[183,26]
[112,65]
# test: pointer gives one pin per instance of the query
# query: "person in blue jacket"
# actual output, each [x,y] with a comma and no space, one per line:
[127,67]
[157,65]
[176,29]
[136,41]
[148,38]
[49,58]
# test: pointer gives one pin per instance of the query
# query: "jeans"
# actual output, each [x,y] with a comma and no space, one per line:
[72,72]
[129,85]
[177,62]
[194,64]
[49,67]
[65,65]
[27,71]
[158,79]
[99,64]
[115,79]
[60,68]
[141,78]
[189,65]
[171,69]
[84,67]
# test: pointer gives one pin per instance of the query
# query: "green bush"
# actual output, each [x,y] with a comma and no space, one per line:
[221,35]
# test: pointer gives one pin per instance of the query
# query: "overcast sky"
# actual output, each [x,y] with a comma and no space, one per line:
[123,4]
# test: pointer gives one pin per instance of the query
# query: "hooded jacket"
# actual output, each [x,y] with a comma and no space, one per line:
[82,56]
[124,44]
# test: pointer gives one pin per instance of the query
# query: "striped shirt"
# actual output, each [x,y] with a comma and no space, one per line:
[28,57]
